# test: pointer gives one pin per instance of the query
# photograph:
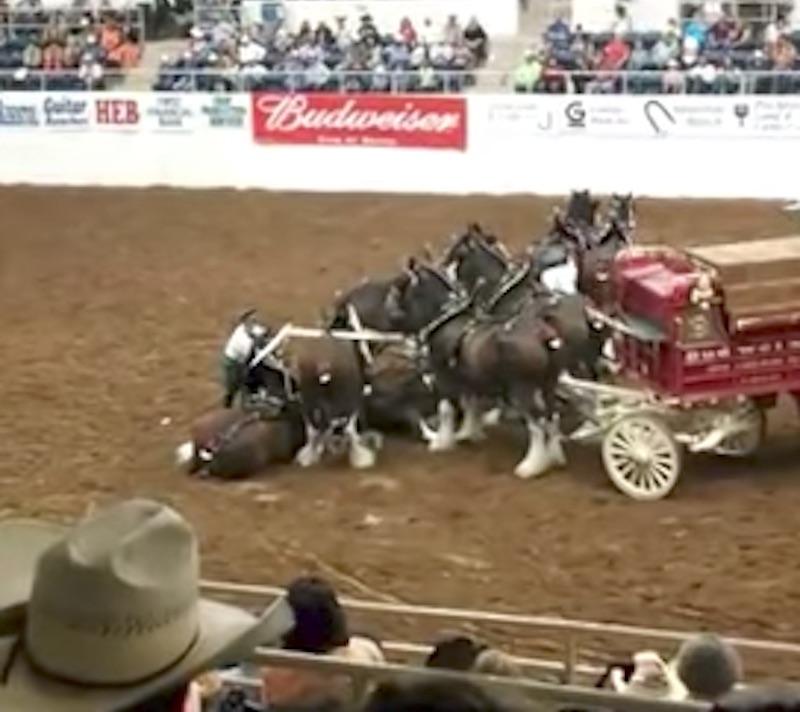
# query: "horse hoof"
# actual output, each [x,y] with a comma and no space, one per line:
[492,418]
[362,458]
[307,457]
[438,445]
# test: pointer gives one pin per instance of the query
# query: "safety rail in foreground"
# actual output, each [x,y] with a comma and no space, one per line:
[447,80]
[524,689]
[568,669]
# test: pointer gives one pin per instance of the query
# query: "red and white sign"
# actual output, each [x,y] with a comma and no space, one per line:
[116,112]
[378,120]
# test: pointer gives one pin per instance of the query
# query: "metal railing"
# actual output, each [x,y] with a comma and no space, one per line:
[445,81]
[523,689]
[568,667]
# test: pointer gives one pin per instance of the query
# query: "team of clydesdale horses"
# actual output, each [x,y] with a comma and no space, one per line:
[484,338]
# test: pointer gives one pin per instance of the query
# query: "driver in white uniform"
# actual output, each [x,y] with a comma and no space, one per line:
[559,273]
[242,345]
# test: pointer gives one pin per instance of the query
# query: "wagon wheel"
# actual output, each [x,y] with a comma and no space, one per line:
[747,442]
[641,457]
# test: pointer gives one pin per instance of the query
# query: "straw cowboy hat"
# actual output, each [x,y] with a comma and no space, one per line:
[112,612]
[651,677]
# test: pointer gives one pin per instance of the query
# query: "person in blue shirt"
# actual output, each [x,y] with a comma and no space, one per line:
[559,33]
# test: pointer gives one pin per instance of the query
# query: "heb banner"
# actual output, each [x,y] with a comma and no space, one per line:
[375,120]
[514,117]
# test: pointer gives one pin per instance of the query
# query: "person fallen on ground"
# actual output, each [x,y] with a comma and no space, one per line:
[107,615]
[321,628]
[241,347]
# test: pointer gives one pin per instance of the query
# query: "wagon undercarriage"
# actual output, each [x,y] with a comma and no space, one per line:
[643,437]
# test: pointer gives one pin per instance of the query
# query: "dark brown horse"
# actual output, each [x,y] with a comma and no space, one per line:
[232,443]
[475,361]
[331,381]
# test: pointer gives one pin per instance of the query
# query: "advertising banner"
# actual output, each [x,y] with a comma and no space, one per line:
[376,120]
[514,117]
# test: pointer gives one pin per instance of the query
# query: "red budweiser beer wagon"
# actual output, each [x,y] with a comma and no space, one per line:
[705,338]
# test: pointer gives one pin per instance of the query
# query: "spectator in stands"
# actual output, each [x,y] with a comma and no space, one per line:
[321,628]
[65,594]
[477,40]
[673,80]
[67,50]
[558,33]
[667,49]
[622,21]
[325,59]
[496,663]
[705,669]
[708,667]
[455,652]
[613,57]
[651,677]
[432,696]
[528,73]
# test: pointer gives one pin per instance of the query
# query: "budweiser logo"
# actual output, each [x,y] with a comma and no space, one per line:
[293,112]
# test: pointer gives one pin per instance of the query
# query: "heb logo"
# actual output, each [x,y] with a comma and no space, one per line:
[117,112]
[65,112]
[379,120]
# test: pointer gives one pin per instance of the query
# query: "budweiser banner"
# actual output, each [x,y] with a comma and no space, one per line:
[379,120]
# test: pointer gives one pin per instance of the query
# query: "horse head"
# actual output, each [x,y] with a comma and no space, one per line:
[418,295]
[582,208]
[621,211]
[595,277]
[476,254]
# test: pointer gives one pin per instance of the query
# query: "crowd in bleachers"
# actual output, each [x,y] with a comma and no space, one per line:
[711,51]
[65,50]
[361,57]
[108,615]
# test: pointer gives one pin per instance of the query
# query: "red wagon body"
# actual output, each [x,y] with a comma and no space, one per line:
[742,340]
[705,339]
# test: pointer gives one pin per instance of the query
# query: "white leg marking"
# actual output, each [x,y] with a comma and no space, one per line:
[445,437]
[471,429]
[536,460]
[361,456]
[555,447]
[311,453]
[491,418]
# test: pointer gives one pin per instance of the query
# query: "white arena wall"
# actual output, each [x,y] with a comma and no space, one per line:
[671,147]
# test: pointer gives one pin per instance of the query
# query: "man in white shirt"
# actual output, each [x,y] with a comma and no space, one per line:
[241,347]
[559,273]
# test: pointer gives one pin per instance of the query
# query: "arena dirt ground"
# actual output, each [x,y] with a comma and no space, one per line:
[114,305]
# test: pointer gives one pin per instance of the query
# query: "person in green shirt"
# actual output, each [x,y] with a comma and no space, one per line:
[527,74]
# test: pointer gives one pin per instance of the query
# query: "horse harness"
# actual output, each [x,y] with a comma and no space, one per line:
[229,433]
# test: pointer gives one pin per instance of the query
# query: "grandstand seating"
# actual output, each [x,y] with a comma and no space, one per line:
[717,54]
[368,58]
[66,50]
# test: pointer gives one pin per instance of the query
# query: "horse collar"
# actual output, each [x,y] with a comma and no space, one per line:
[514,280]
